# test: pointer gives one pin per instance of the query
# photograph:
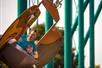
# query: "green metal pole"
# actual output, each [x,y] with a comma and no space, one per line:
[81,34]
[91,28]
[76,20]
[95,19]
[49,23]
[22,5]
[68,34]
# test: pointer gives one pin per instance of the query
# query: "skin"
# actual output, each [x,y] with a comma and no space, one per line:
[30,38]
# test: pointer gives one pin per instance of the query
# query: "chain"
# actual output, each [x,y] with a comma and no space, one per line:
[58,3]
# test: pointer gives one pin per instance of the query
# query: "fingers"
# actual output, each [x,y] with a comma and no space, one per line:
[11,41]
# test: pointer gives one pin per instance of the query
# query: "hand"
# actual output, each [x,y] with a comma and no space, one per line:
[35,55]
[11,41]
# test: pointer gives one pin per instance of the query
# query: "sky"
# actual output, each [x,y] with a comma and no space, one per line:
[8,13]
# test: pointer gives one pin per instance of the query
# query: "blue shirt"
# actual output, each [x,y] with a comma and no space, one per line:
[24,43]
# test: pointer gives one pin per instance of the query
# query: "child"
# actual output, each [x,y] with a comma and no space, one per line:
[32,46]
[27,43]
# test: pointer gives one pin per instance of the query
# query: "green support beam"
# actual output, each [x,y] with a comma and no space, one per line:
[81,34]
[49,23]
[76,20]
[22,5]
[91,34]
[68,34]
[95,19]
[50,64]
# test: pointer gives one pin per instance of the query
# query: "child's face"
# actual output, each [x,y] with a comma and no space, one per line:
[29,49]
[32,37]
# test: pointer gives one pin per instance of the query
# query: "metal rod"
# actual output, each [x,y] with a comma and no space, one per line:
[91,34]
[22,5]
[76,20]
[68,34]
[49,23]
[95,19]
[81,34]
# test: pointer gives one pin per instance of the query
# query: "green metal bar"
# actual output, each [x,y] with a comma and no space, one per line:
[68,35]
[22,5]
[91,34]
[81,34]
[49,23]
[95,19]
[76,20]
[50,64]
